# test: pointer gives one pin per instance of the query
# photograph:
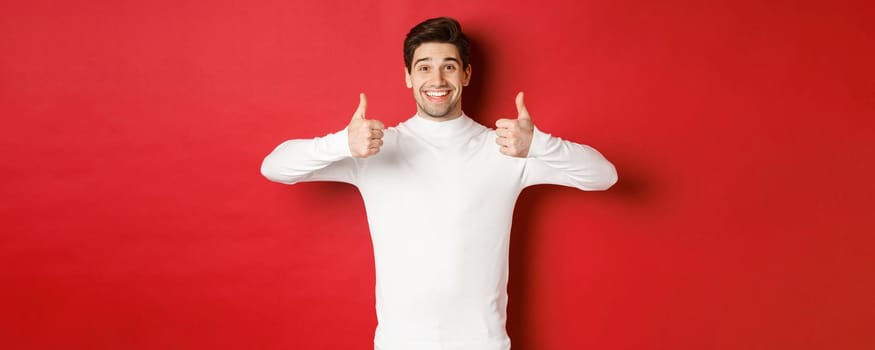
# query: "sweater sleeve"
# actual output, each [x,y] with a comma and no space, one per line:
[326,158]
[555,161]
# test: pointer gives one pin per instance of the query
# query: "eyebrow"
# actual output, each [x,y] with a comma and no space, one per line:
[453,59]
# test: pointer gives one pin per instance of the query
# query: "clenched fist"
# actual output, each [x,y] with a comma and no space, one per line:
[365,135]
[515,135]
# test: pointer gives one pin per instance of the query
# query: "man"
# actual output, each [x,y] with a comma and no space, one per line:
[439,190]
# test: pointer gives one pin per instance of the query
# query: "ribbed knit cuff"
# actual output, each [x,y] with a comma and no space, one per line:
[337,144]
[539,144]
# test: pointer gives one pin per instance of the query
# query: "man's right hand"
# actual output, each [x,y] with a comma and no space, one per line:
[365,135]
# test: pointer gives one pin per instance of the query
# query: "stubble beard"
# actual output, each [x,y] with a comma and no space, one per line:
[437,112]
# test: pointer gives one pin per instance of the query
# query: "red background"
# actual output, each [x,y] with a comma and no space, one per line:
[134,215]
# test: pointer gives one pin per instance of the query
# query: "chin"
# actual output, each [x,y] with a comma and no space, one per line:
[438,114]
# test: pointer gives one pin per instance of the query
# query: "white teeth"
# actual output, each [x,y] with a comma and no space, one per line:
[437,93]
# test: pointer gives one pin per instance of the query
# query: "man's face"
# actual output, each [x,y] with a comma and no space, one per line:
[437,78]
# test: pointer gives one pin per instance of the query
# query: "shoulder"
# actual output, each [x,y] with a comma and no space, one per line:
[393,134]
[483,133]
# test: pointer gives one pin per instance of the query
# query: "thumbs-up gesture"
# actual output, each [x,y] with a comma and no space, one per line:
[365,135]
[515,135]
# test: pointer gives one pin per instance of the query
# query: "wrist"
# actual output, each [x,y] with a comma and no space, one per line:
[539,143]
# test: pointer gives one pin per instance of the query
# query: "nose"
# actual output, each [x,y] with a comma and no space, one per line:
[440,79]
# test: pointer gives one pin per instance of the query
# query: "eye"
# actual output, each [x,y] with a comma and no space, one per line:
[450,67]
[423,68]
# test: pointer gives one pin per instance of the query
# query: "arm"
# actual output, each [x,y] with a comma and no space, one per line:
[325,158]
[329,158]
[551,160]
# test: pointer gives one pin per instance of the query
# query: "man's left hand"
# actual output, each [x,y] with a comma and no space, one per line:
[515,135]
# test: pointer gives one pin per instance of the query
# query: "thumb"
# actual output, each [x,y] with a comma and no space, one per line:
[522,112]
[363,105]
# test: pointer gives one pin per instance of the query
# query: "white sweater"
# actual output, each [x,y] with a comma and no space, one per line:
[439,198]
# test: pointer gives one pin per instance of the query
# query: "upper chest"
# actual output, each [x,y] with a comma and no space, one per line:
[461,164]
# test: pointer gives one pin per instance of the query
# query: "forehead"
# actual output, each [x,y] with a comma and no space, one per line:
[436,52]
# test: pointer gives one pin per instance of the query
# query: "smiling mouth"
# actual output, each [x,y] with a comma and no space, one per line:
[436,95]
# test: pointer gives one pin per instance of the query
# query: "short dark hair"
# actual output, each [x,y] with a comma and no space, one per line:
[436,30]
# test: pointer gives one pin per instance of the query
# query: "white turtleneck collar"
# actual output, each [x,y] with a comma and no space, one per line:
[435,130]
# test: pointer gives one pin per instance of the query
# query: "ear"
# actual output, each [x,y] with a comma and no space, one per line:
[407,78]
[467,75]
